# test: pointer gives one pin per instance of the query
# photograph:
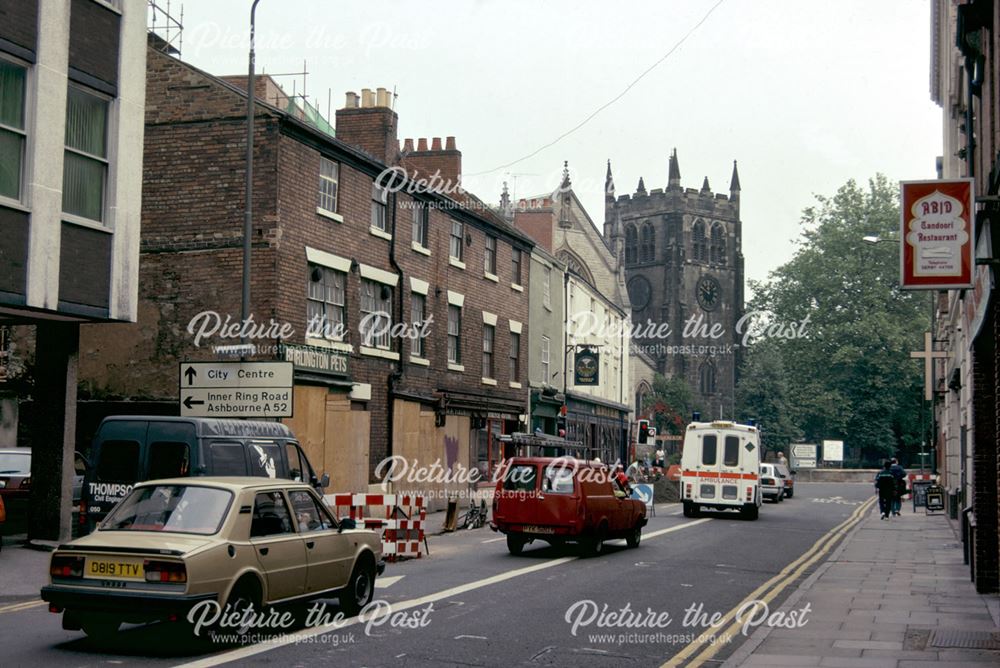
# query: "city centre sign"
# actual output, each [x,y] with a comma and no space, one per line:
[236,389]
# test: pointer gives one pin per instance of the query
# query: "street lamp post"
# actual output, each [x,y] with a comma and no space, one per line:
[248,205]
[873,239]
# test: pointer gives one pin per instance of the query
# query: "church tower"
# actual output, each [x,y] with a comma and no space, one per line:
[683,259]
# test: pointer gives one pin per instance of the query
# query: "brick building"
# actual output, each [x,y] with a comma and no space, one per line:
[348,254]
[71,105]
[965,82]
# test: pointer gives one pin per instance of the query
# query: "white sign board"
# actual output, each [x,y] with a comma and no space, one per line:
[833,451]
[804,451]
[236,389]
[805,464]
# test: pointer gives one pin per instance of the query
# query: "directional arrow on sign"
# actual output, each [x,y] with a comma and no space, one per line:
[191,375]
[189,402]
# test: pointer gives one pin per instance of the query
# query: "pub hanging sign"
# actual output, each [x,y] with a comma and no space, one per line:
[587,368]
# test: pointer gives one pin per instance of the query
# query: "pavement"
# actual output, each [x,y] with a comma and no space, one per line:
[895,594]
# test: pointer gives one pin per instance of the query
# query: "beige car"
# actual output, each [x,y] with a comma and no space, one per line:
[171,544]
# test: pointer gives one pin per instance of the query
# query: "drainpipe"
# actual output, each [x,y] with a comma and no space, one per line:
[396,375]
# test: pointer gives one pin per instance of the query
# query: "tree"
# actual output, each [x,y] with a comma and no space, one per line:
[763,395]
[669,404]
[849,372]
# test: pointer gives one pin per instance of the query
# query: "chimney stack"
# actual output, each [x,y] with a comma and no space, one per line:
[370,126]
[446,162]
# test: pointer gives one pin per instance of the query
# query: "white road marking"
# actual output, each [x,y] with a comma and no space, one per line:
[493,540]
[382,583]
[293,638]
[470,637]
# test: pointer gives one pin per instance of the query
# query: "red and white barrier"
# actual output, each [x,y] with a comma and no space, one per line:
[401,536]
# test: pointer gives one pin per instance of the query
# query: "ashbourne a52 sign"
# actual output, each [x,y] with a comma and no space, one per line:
[236,389]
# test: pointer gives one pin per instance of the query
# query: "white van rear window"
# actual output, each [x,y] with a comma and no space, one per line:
[709,450]
[731,453]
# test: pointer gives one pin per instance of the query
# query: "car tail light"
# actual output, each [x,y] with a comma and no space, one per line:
[749,493]
[82,515]
[164,571]
[66,567]
[767,481]
[687,492]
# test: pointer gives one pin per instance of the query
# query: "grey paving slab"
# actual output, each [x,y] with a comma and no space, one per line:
[920,655]
[782,660]
[845,662]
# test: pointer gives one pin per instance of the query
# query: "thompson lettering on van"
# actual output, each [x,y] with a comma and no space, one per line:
[108,491]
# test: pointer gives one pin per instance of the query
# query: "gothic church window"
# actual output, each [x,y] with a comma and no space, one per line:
[648,250]
[631,245]
[718,244]
[698,242]
[706,378]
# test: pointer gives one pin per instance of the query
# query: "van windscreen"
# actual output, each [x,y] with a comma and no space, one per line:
[709,447]
[521,478]
[119,461]
[731,451]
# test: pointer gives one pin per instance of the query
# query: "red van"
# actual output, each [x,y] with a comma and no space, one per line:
[561,500]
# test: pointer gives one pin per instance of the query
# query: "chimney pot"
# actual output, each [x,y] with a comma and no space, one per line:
[449,144]
[382,97]
[367,97]
[422,144]
[436,144]
[408,146]
[352,100]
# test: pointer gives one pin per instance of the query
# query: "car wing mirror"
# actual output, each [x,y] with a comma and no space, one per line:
[346,523]
[320,483]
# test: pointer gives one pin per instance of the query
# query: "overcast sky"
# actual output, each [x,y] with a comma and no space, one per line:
[805,95]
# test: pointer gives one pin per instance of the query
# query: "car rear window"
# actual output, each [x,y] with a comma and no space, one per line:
[731,451]
[171,508]
[709,447]
[119,461]
[558,480]
[522,477]
[15,462]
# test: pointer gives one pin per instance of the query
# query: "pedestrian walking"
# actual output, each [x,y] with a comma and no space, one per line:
[885,484]
[900,475]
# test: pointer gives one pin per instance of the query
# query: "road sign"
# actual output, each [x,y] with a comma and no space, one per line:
[833,451]
[236,389]
[804,451]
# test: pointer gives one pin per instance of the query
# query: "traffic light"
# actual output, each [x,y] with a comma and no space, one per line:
[643,433]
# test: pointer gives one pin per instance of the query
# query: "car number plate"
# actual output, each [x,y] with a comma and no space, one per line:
[117,568]
[534,529]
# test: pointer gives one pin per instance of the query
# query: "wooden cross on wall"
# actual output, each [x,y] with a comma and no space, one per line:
[928,354]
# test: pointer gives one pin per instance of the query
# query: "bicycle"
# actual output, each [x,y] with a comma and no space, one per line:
[475,518]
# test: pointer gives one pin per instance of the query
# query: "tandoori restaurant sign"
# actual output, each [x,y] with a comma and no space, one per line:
[937,244]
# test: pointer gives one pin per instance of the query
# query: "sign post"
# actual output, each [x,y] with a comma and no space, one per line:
[236,389]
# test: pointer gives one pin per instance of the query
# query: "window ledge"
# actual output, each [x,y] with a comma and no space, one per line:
[491,277]
[420,360]
[17,205]
[515,386]
[420,249]
[85,222]
[375,232]
[456,367]
[329,214]
[488,381]
[379,352]
[456,263]
[516,287]
[341,346]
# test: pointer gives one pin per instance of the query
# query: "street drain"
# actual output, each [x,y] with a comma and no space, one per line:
[965,639]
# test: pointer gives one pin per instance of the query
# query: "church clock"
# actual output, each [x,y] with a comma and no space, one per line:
[639,292]
[709,293]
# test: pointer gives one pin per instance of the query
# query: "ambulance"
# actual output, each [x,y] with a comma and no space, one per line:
[720,468]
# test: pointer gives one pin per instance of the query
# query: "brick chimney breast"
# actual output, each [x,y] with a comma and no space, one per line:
[446,162]
[370,128]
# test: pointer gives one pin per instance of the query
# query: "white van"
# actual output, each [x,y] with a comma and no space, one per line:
[720,468]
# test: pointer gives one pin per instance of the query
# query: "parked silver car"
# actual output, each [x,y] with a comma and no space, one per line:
[772,485]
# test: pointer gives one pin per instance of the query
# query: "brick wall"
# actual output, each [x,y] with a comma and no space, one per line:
[537,225]
[984,456]
[371,129]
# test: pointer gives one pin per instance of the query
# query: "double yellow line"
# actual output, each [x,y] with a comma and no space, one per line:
[779,582]
[15,607]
